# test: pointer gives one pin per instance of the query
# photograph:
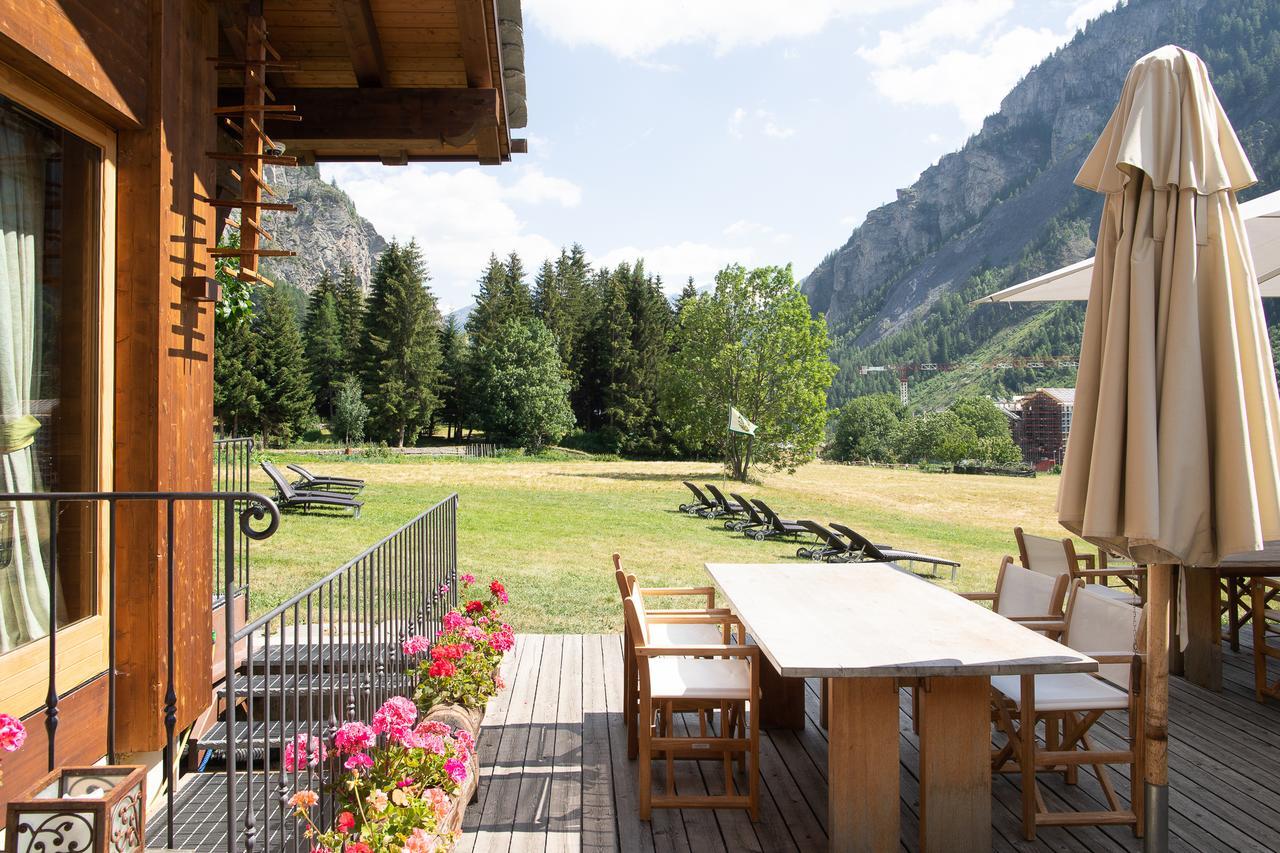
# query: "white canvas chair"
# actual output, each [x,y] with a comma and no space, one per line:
[1058,556]
[723,678]
[1069,704]
[1023,595]
[698,626]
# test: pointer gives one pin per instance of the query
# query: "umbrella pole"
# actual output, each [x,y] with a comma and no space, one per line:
[1156,759]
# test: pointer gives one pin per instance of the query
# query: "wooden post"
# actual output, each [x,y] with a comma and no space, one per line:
[1156,774]
[955,764]
[781,699]
[863,798]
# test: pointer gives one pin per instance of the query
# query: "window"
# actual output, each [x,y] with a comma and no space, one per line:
[51,368]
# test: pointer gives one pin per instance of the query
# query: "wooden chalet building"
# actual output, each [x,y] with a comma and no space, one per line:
[1044,421]
[130,130]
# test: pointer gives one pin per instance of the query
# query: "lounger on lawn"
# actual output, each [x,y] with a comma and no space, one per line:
[701,501]
[868,551]
[723,506]
[290,498]
[753,520]
[319,483]
[777,526]
[829,547]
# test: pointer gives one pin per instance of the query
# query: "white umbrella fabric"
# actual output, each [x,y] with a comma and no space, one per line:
[1175,440]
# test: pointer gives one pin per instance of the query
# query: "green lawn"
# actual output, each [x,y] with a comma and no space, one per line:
[548,528]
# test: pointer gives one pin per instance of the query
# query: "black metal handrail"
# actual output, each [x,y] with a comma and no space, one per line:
[247,507]
[232,463]
[330,654]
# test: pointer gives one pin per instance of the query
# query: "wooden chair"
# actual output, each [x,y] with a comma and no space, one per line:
[1058,556]
[1069,704]
[698,626]
[1265,595]
[1022,594]
[707,679]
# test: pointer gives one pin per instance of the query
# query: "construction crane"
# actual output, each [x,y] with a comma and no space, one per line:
[905,370]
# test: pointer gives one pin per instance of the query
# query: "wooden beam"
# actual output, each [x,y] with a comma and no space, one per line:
[335,115]
[473,31]
[363,43]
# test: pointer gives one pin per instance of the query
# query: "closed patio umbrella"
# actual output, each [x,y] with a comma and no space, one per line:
[1172,455]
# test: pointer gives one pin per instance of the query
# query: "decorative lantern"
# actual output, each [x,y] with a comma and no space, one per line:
[81,810]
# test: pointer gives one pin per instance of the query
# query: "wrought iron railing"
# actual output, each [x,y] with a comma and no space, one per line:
[85,528]
[232,462]
[330,654]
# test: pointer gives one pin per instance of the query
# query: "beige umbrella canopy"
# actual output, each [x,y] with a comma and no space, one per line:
[1172,456]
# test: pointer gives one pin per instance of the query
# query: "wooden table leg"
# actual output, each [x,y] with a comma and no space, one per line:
[1202,658]
[781,699]
[955,764]
[863,773]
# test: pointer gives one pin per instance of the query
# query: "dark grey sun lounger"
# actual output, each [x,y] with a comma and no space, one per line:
[777,526]
[290,498]
[753,521]
[701,502]
[723,506]
[868,551]
[319,483]
[829,547]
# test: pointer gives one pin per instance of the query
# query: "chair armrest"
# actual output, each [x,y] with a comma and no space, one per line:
[1054,626]
[1089,561]
[696,611]
[978,596]
[708,591]
[700,651]
[1115,657]
[1054,619]
[693,619]
[1112,573]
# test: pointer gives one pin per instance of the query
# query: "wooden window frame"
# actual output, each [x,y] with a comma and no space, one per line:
[82,645]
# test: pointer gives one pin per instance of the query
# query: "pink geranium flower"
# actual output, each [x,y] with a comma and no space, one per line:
[468,579]
[418,842]
[395,716]
[359,761]
[456,770]
[354,737]
[416,645]
[453,620]
[304,751]
[12,733]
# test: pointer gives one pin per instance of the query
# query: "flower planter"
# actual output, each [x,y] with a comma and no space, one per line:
[469,719]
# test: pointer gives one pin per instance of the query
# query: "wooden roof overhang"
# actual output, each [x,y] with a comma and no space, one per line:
[391,81]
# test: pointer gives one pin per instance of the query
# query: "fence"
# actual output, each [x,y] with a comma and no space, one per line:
[232,461]
[330,654]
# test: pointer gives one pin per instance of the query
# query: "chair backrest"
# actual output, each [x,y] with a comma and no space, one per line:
[824,535]
[1022,592]
[860,543]
[771,518]
[748,508]
[1096,623]
[282,484]
[636,621]
[718,496]
[697,493]
[303,471]
[624,582]
[1043,554]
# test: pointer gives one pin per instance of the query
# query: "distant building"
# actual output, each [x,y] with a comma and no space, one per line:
[1044,421]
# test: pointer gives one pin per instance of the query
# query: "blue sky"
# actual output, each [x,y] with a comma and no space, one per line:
[694,133]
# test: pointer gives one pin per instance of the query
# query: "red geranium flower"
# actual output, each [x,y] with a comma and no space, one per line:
[475,606]
[359,847]
[443,669]
[346,823]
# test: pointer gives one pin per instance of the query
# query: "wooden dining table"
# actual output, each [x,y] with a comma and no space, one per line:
[872,628]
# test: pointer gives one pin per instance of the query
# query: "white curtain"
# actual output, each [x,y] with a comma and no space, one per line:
[24,589]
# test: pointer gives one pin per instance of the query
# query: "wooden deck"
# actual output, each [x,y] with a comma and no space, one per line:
[555,774]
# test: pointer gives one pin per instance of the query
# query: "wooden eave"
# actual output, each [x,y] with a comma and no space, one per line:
[384,80]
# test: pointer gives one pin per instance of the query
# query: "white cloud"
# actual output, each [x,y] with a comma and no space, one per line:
[966,55]
[458,217]
[677,262]
[745,229]
[633,29]
[763,120]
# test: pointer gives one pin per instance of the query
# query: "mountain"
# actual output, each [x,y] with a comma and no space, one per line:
[1003,208]
[326,231]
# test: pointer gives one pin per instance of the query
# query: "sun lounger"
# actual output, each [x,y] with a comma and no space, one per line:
[867,551]
[723,506]
[290,498]
[777,526]
[319,483]
[753,520]
[829,547]
[701,501]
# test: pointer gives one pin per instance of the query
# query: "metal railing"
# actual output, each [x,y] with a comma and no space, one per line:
[246,507]
[330,654]
[232,462]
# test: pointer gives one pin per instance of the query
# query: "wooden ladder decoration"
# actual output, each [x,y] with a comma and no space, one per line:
[257,151]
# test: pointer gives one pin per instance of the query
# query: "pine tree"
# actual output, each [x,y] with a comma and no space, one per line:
[348,299]
[549,304]
[400,358]
[519,297]
[689,292]
[651,320]
[236,390]
[615,381]
[326,358]
[490,306]
[287,406]
[521,390]
[452,385]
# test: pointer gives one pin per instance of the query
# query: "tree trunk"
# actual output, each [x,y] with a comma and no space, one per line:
[400,437]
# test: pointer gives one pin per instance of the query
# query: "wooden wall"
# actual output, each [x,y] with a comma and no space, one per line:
[164,370]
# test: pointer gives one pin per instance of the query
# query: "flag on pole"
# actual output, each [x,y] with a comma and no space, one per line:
[739,424]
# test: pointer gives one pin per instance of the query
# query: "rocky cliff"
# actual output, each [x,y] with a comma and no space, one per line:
[327,231]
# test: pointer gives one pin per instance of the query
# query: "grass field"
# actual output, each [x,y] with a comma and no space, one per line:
[548,528]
